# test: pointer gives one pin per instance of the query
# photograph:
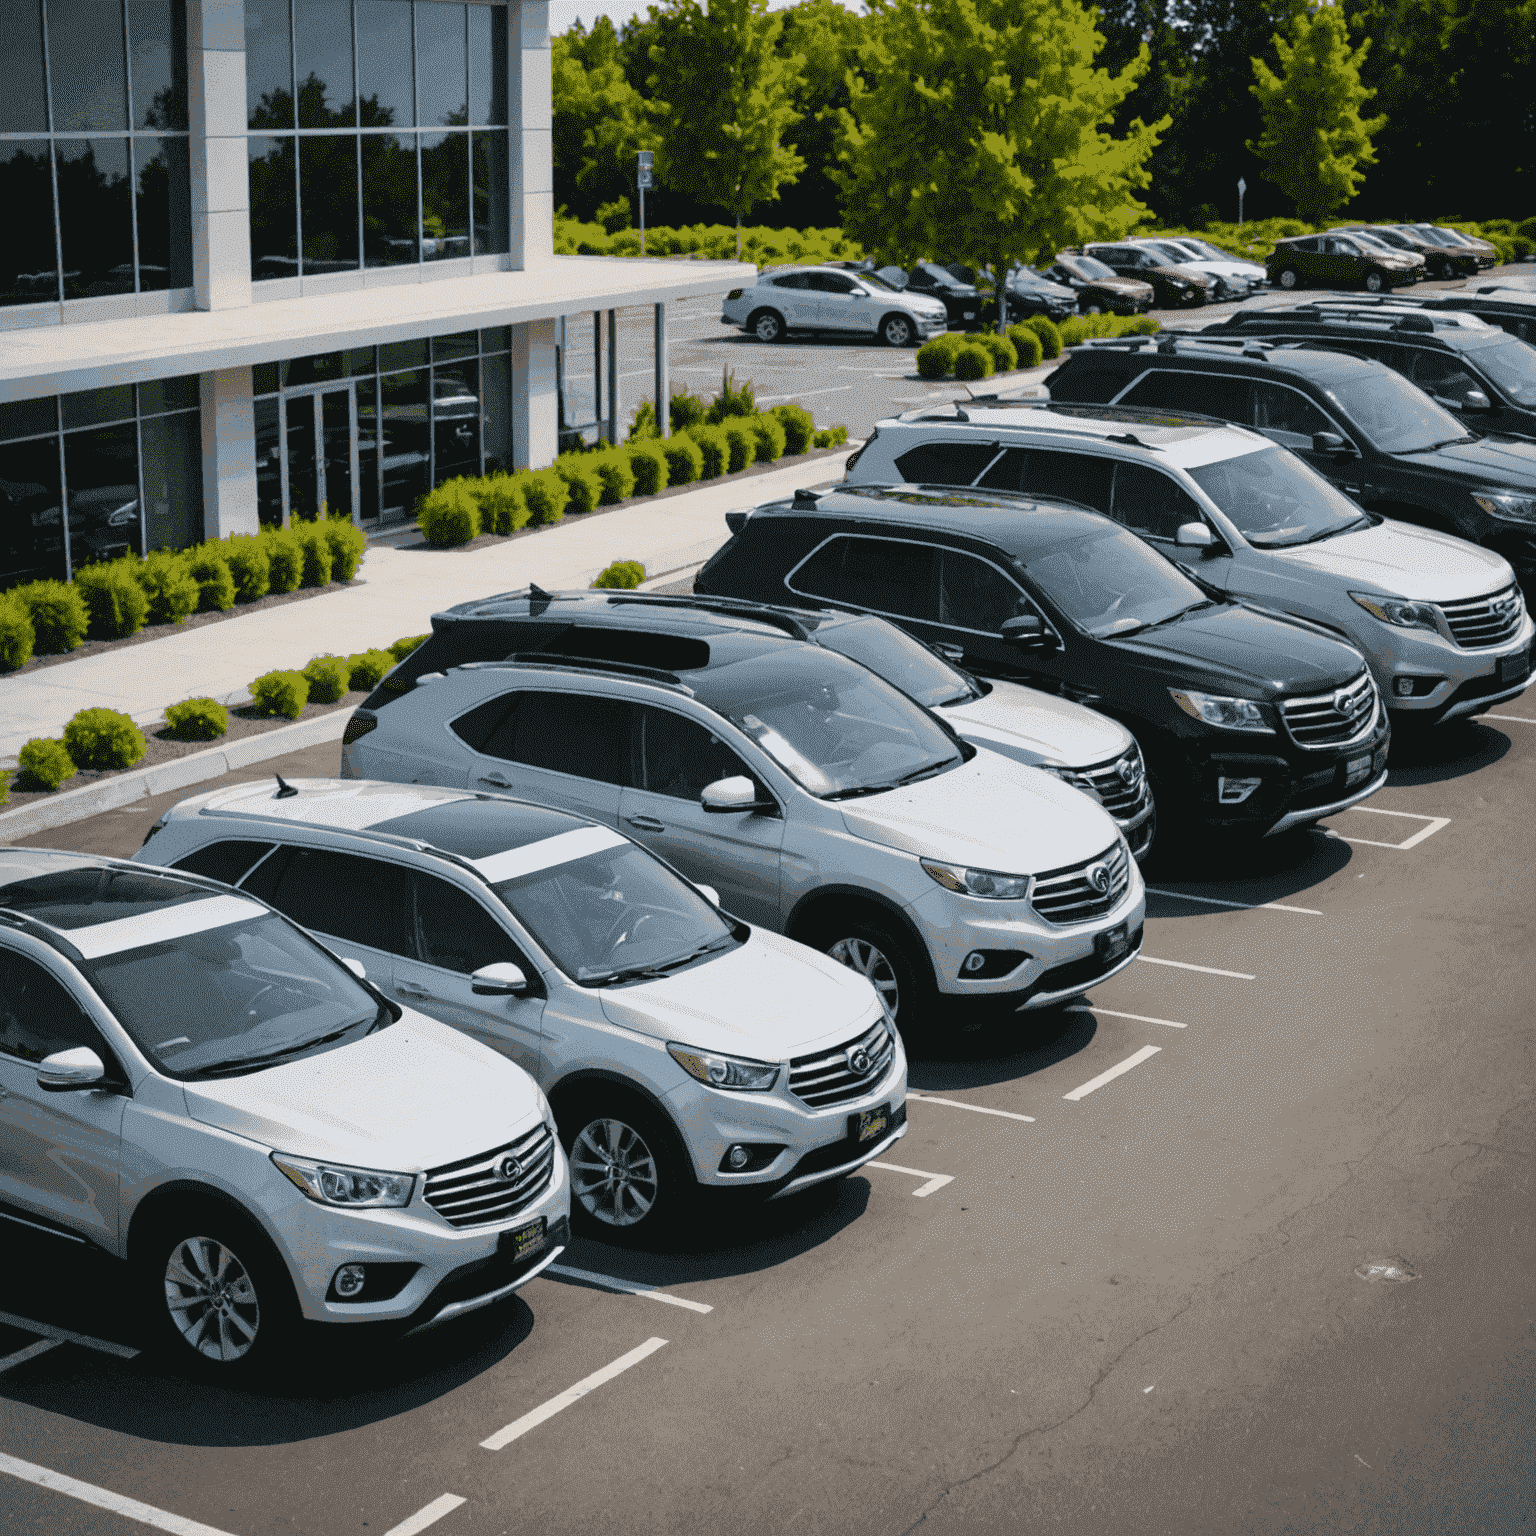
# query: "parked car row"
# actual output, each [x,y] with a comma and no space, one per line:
[1377,257]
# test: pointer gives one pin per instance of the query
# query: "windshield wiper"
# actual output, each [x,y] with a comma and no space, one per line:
[250,1063]
[1450,442]
[879,789]
[1328,533]
[659,967]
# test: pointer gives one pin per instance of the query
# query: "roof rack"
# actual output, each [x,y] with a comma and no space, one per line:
[740,607]
[593,664]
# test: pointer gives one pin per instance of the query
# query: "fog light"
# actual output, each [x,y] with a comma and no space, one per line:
[1403,687]
[738,1157]
[975,961]
[349,1281]
[1235,791]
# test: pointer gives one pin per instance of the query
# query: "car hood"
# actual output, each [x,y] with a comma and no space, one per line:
[1228,269]
[1496,461]
[769,998]
[1044,287]
[410,1097]
[1403,561]
[1187,274]
[1133,287]
[1034,727]
[1399,259]
[915,300]
[989,813]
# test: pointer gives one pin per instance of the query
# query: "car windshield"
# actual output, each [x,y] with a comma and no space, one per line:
[1276,499]
[1511,365]
[1394,415]
[876,281]
[1369,241]
[232,998]
[1110,583]
[1086,266]
[616,914]
[899,659]
[834,727]
[941,275]
[1436,236]
[1169,253]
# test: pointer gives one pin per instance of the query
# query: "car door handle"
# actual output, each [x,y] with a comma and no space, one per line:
[496,779]
[646,823]
[412,989]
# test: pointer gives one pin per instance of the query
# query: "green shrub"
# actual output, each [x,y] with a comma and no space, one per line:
[832,437]
[17,637]
[1074,331]
[113,598]
[250,566]
[714,450]
[934,359]
[328,678]
[546,495]
[1136,325]
[625,574]
[687,411]
[643,426]
[1050,338]
[168,583]
[1521,246]
[973,362]
[348,544]
[281,693]
[103,738]
[769,436]
[5,787]
[366,669]
[403,648]
[502,508]
[741,442]
[285,558]
[583,483]
[1027,346]
[612,466]
[648,464]
[317,552]
[44,763]
[207,566]
[1004,357]
[731,401]
[685,459]
[58,614]
[1526,227]
[448,515]
[196,720]
[798,426]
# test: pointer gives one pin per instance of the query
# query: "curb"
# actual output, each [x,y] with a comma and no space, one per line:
[180,773]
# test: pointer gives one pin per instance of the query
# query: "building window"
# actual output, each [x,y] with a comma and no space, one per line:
[95,475]
[378,133]
[94,166]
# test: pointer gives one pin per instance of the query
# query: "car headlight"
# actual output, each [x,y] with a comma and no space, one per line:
[977,882]
[1507,505]
[1398,611]
[357,1188]
[717,1071]
[1229,713]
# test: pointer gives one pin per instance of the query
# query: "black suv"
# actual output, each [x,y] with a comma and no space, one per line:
[1511,309]
[1374,435]
[1475,369]
[1250,724]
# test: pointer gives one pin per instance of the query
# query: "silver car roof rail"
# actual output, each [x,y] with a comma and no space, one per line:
[623,669]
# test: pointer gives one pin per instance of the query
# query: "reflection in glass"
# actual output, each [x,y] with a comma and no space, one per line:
[268,65]
[444,192]
[394,355]
[389,196]
[269,468]
[368,450]
[496,413]
[158,66]
[31,524]
[164,213]
[264,379]
[356,360]
[496,338]
[28,418]
[336,433]
[101,469]
[447,349]
[322,31]
[491,189]
[274,209]
[95,216]
[86,66]
[303,467]
[315,369]
[385,87]
[161,395]
[328,203]
[487,64]
[442,77]
[173,480]
[23,102]
[29,263]
[455,421]
[407,456]
[87,407]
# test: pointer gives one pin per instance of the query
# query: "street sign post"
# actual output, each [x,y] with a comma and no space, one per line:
[1242,186]
[645,160]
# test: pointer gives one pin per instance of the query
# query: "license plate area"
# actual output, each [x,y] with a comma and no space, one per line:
[1357,770]
[521,1241]
[1113,944]
[869,1124]
[1513,668]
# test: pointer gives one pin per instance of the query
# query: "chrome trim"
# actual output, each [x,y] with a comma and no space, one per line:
[1308,817]
[822,1175]
[1481,706]
[1477,612]
[1370,719]
[1047,999]
[474,1303]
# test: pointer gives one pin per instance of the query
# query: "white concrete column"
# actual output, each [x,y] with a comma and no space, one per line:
[221,221]
[530,110]
[535,424]
[229,453]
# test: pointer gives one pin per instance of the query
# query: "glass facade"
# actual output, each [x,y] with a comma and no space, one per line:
[91,476]
[378,133]
[94,167]
[366,431]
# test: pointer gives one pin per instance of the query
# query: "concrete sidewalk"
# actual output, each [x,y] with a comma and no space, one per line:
[399,592]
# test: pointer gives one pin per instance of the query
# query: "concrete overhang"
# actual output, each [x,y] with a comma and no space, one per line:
[60,359]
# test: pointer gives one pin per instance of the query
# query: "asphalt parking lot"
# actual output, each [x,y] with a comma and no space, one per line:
[1125,1273]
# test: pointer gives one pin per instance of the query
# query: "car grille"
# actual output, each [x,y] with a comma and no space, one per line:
[826,1078]
[472,1193]
[1124,794]
[1070,895]
[1331,719]
[1488,620]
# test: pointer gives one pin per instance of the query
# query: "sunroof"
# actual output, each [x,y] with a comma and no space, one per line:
[476,829]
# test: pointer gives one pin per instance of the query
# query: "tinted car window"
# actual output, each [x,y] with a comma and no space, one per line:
[680,756]
[1395,415]
[477,727]
[1047,472]
[1110,583]
[449,928]
[38,1016]
[791,280]
[1276,498]
[890,576]
[899,659]
[1211,394]
[342,894]
[565,733]
[945,463]
[1151,503]
[1287,414]
[1512,366]
[974,594]
[227,860]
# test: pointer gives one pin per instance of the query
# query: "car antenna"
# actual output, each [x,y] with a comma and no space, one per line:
[285,790]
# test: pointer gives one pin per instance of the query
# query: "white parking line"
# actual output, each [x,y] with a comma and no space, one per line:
[629,1287]
[428,1514]
[30,1352]
[102,1498]
[805,394]
[1518,719]
[519,1427]
[976,1109]
[1436,823]
[1140,1018]
[63,1335]
[1146,1053]
[1242,906]
[1207,970]
[935,1180]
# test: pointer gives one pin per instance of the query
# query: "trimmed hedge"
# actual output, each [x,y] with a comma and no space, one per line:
[584,484]
[114,599]
[44,764]
[366,669]
[250,566]
[799,426]
[449,514]
[769,436]
[618,479]
[649,465]
[546,494]
[17,637]
[348,544]
[624,574]
[503,508]
[1004,355]
[685,459]
[196,720]
[58,615]
[403,648]
[281,693]
[169,585]
[103,738]
[1027,346]
[831,437]
[285,558]
[741,442]
[1050,337]
[5,787]
[207,566]
[714,450]
[974,362]
[328,678]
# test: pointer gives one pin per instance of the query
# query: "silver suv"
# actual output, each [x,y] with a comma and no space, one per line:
[819,800]
[190,1082]
[681,1049]
[829,299]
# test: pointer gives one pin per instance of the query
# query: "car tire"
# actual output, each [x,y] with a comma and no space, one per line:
[897,331]
[1288,277]
[1375,280]
[876,949]
[217,1298]
[631,1180]
[1093,309]
[766,325]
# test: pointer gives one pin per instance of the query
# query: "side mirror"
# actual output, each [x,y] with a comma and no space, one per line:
[709,893]
[737,793]
[1194,536]
[1330,442]
[954,653]
[66,1070]
[1028,633]
[503,979]
[1475,400]
[357,967]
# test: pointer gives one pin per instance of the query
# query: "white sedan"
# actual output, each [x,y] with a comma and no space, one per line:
[833,300]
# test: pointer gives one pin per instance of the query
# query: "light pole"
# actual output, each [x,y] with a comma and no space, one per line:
[644,174]
[1242,186]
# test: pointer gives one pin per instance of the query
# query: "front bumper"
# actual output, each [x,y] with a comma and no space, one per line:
[1309,817]
[1448,680]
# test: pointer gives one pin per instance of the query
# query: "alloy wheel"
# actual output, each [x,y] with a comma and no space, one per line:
[1373,282]
[1288,278]
[898,332]
[613,1173]
[862,956]
[212,1299]
[768,328]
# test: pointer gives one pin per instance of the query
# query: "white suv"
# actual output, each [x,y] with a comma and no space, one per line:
[681,1049]
[190,1082]
[829,299]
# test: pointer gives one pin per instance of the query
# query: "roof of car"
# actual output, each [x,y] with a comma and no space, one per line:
[1232,349]
[1405,323]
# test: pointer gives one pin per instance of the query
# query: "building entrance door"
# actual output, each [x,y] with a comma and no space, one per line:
[319,453]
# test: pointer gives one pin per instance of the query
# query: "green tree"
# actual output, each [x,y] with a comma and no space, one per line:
[977,132]
[827,36]
[598,120]
[1314,141]
[722,98]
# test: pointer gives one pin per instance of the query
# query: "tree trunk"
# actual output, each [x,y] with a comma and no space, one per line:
[738,237]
